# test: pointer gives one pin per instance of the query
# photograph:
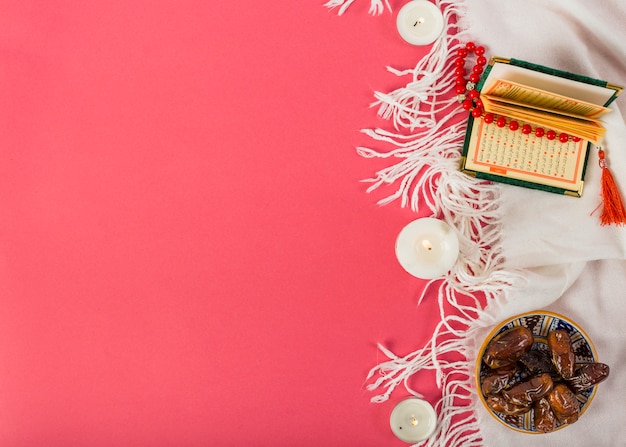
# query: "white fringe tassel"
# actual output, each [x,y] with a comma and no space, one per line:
[457,423]
[427,146]
[376,6]
[416,105]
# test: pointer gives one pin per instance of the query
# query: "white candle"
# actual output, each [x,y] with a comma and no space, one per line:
[427,248]
[413,420]
[420,22]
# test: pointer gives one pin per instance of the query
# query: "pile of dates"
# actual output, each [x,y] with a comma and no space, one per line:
[520,379]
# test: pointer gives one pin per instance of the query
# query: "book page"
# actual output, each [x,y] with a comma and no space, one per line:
[500,151]
[581,91]
[541,99]
[581,127]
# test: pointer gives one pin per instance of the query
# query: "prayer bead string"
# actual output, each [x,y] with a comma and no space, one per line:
[469,97]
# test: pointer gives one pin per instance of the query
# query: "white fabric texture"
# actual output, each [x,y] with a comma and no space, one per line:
[558,239]
[568,262]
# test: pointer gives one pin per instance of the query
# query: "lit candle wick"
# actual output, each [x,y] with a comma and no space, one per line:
[413,420]
[420,22]
[427,248]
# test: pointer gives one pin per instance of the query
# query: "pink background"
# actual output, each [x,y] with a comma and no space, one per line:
[187,255]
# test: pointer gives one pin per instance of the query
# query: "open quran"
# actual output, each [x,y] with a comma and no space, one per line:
[538,126]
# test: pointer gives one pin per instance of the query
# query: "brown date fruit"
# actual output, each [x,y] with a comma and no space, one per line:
[562,352]
[538,362]
[587,376]
[500,405]
[564,404]
[543,416]
[497,379]
[530,391]
[507,347]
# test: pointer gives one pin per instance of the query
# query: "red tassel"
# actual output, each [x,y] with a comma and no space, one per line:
[613,211]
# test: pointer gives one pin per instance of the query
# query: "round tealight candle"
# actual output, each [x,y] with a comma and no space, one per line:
[427,248]
[420,22]
[413,420]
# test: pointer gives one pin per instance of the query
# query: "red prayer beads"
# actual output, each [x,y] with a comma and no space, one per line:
[465,88]
[469,97]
